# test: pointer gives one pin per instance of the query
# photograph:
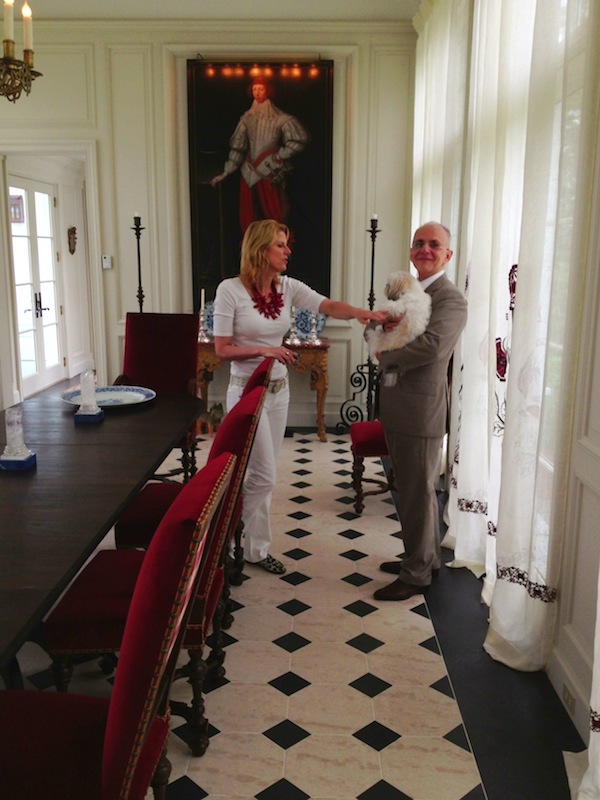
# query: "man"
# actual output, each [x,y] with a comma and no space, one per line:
[261,146]
[413,406]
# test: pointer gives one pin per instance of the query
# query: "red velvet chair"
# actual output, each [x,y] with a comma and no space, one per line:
[161,353]
[91,615]
[71,747]
[367,441]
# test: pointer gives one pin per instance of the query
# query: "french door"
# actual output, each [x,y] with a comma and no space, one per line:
[36,285]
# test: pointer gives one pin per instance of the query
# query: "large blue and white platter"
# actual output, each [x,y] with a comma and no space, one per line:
[112,395]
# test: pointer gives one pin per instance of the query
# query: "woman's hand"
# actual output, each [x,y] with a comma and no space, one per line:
[283,354]
[378,317]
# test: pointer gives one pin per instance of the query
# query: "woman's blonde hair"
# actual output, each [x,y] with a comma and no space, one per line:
[259,235]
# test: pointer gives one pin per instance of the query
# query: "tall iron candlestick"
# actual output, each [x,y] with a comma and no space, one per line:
[364,377]
[137,227]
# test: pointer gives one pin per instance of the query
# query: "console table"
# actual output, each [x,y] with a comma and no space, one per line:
[312,358]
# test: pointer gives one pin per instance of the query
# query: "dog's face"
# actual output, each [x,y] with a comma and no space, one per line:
[398,283]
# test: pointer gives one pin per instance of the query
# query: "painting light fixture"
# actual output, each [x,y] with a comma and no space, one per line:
[17,75]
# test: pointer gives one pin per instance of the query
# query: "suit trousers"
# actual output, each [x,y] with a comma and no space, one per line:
[416,463]
[261,472]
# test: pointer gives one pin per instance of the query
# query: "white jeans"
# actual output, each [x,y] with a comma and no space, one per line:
[261,473]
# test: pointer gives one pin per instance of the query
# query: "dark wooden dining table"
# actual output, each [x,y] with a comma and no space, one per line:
[53,517]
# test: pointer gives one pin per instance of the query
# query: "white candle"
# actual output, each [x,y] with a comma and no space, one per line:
[9,20]
[374,217]
[202,298]
[27,27]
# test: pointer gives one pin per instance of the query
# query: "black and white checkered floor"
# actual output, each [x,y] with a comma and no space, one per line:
[328,693]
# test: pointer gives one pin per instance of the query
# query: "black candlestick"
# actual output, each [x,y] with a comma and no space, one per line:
[137,227]
[364,377]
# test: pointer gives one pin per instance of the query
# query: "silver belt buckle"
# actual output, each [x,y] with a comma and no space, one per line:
[277,386]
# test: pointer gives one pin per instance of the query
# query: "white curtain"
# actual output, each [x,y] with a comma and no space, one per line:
[515,198]
[517,189]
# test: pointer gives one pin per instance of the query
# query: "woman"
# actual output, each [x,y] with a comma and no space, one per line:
[251,317]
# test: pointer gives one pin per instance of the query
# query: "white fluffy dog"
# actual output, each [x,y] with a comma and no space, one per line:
[407,299]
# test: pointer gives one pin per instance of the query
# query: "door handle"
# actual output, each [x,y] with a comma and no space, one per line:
[39,309]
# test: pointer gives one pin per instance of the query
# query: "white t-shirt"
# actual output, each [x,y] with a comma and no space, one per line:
[236,317]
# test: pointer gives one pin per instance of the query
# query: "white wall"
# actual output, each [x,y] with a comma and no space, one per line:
[117,95]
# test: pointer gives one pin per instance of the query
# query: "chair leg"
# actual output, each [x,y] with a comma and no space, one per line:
[161,776]
[235,575]
[62,672]
[358,470]
[216,657]
[197,721]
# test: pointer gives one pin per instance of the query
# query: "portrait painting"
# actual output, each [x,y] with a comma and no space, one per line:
[260,138]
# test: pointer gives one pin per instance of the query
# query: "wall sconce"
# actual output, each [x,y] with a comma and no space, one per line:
[17,75]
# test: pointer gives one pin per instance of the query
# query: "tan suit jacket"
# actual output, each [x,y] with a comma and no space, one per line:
[413,389]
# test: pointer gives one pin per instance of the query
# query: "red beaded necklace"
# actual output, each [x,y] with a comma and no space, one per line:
[269,306]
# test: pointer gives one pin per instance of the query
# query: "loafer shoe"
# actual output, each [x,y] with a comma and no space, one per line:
[398,590]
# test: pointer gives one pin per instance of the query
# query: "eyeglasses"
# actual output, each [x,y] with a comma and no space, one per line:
[434,245]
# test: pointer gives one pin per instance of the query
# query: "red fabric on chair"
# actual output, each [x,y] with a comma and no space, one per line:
[73,747]
[91,615]
[260,377]
[136,525]
[367,441]
[161,351]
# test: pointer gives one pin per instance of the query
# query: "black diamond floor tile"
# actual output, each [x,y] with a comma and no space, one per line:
[343,485]
[383,791]
[340,451]
[299,515]
[300,499]
[353,555]
[370,685]
[356,579]
[341,460]
[41,680]
[342,472]
[291,642]
[421,610]
[377,736]
[301,485]
[184,733]
[365,643]
[348,515]
[286,734]
[185,789]
[476,793]
[458,737]
[282,790]
[295,578]
[360,608]
[443,686]
[290,683]
[294,607]
[302,472]
[298,533]
[346,500]
[432,645]
[303,461]
[297,554]
[303,450]
[350,533]
[227,638]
